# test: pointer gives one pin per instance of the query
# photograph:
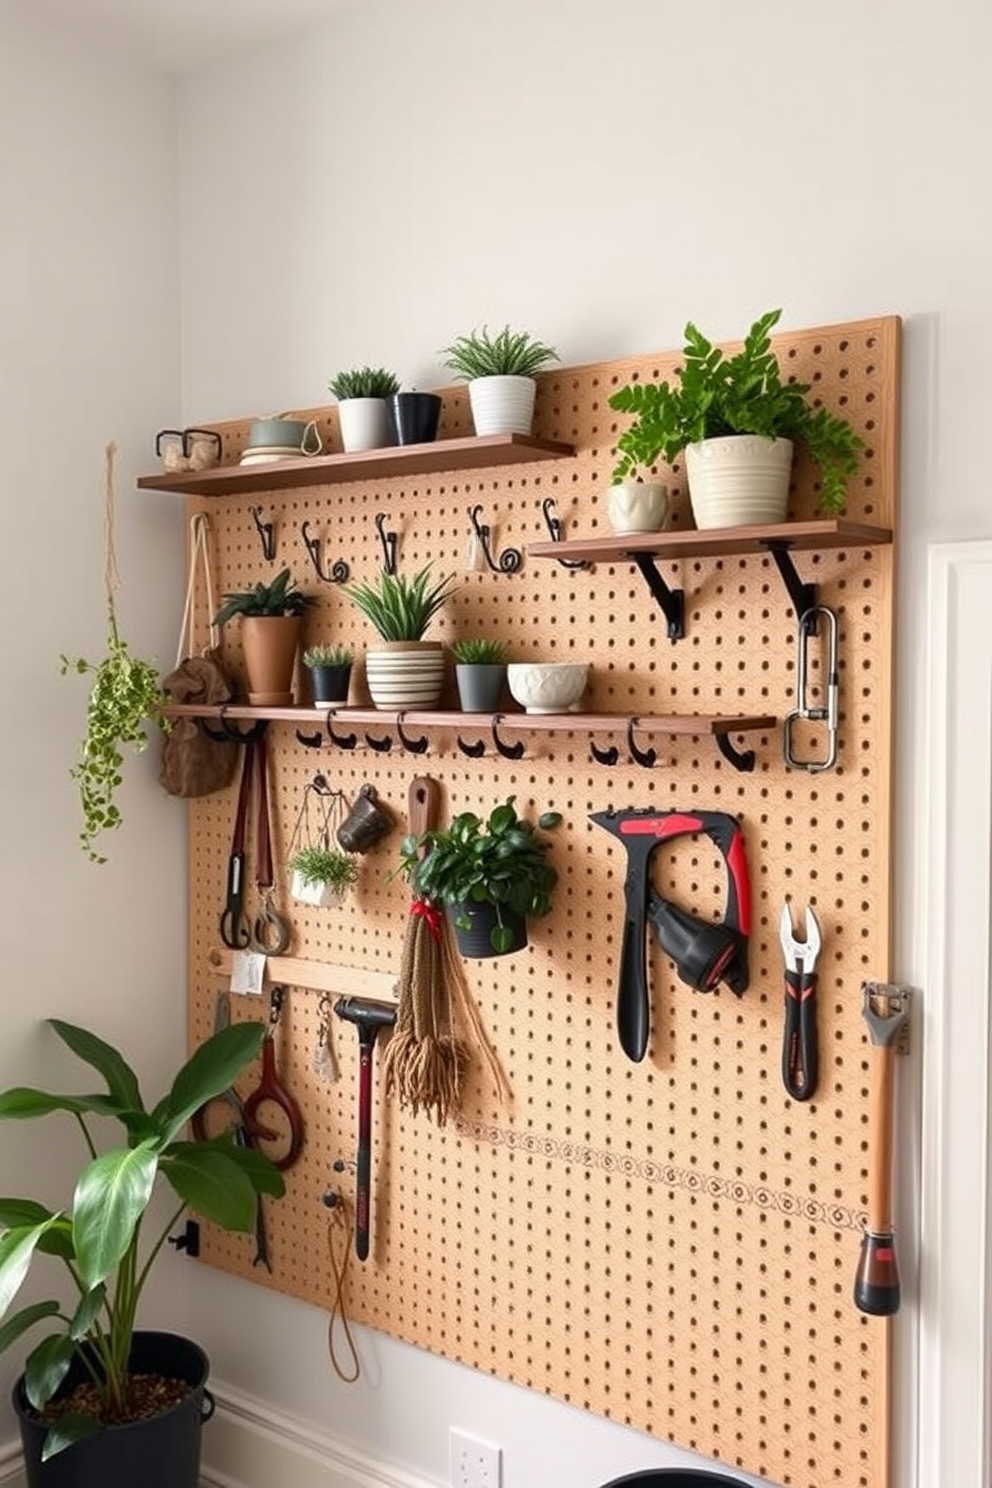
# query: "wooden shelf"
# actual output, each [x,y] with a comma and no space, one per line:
[714,542]
[321,470]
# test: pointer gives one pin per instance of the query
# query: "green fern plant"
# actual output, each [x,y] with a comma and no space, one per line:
[507,354]
[715,395]
[364,382]
[402,609]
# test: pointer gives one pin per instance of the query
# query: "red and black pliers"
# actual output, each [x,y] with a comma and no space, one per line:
[800,1046]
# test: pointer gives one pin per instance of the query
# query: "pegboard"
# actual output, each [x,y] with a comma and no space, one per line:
[670,1244]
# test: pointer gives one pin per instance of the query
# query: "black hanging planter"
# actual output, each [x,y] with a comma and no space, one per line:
[475,941]
[159,1452]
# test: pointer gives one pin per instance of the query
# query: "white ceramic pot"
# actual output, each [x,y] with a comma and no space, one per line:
[320,894]
[364,424]
[547,687]
[637,506]
[740,480]
[405,674]
[502,405]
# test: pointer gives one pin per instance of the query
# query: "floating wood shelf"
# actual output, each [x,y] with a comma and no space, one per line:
[441,455]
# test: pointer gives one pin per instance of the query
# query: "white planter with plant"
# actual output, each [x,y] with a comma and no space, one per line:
[500,372]
[321,876]
[362,411]
[405,671]
[737,422]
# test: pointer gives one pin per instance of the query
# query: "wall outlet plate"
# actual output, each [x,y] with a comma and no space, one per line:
[472,1462]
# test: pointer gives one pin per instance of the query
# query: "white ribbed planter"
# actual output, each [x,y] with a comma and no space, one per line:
[364,424]
[740,480]
[637,506]
[502,405]
[405,674]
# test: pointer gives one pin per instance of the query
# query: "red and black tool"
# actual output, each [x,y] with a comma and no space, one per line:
[704,953]
[800,1040]
[876,1286]
[271,1092]
[368,1017]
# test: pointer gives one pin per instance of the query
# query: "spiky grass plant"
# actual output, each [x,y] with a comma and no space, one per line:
[479,651]
[507,354]
[364,382]
[401,609]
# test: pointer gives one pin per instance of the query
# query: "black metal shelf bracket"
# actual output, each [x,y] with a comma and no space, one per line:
[741,759]
[671,601]
[803,596]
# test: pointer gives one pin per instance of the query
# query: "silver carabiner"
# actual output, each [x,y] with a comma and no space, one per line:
[803,709]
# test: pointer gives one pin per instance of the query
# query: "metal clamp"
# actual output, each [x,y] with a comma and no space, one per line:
[803,709]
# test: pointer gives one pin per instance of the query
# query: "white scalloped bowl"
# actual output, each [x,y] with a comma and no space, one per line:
[547,686]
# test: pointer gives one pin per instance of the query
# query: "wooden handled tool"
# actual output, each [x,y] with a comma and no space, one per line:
[876,1285]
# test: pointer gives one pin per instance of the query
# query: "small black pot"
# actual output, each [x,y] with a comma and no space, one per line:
[330,683]
[414,417]
[159,1452]
[475,941]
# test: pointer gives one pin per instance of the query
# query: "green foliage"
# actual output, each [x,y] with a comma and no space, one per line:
[125,695]
[281,597]
[499,861]
[401,609]
[99,1241]
[324,865]
[364,382]
[508,353]
[328,656]
[717,395]
[479,651]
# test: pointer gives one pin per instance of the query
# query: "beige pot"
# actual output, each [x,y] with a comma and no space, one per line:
[405,674]
[637,506]
[270,643]
[740,480]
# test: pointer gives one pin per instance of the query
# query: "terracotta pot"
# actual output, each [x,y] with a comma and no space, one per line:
[270,643]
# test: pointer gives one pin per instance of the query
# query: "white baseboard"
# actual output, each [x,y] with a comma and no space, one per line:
[250,1445]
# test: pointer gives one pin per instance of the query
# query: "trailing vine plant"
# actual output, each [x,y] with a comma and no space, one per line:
[125,695]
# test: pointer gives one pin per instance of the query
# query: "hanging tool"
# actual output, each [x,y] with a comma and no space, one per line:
[243,1133]
[368,1017]
[271,932]
[804,709]
[800,1045]
[271,1090]
[704,953]
[233,931]
[876,1285]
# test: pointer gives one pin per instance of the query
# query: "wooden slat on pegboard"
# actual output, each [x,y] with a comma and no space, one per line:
[670,1244]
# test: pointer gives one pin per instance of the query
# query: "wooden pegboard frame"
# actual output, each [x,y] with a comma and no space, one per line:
[670,1244]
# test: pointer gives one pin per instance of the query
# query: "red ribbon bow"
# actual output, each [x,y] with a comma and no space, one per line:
[430,913]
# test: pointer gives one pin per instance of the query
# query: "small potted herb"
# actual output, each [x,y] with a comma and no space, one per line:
[361,395]
[499,370]
[271,616]
[321,875]
[406,670]
[491,875]
[330,672]
[722,409]
[480,670]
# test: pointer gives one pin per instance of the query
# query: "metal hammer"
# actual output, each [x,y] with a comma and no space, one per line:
[368,1017]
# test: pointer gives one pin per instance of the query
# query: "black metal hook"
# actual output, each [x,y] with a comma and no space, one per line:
[554,526]
[645,757]
[228,734]
[266,532]
[413,746]
[508,751]
[382,746]
[608,756]
[340,741]
[474,751]
[337,573]
[312,741]
[388,541]
[741,759]
[509,561]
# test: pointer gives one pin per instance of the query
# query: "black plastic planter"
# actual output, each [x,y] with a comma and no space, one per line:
[160,1452]
[414,417]
[330,683]
[475,941]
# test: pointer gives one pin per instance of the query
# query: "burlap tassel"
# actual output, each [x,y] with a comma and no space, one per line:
[423,1061]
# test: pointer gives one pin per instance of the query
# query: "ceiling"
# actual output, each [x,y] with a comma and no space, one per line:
[162,30]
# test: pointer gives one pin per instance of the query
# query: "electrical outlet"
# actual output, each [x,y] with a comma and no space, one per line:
[472,1462]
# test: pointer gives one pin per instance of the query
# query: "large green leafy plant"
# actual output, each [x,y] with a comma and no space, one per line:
[280,597]
[402,609]
[505,354]
[99,1241]
[716,395]
[501,860]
